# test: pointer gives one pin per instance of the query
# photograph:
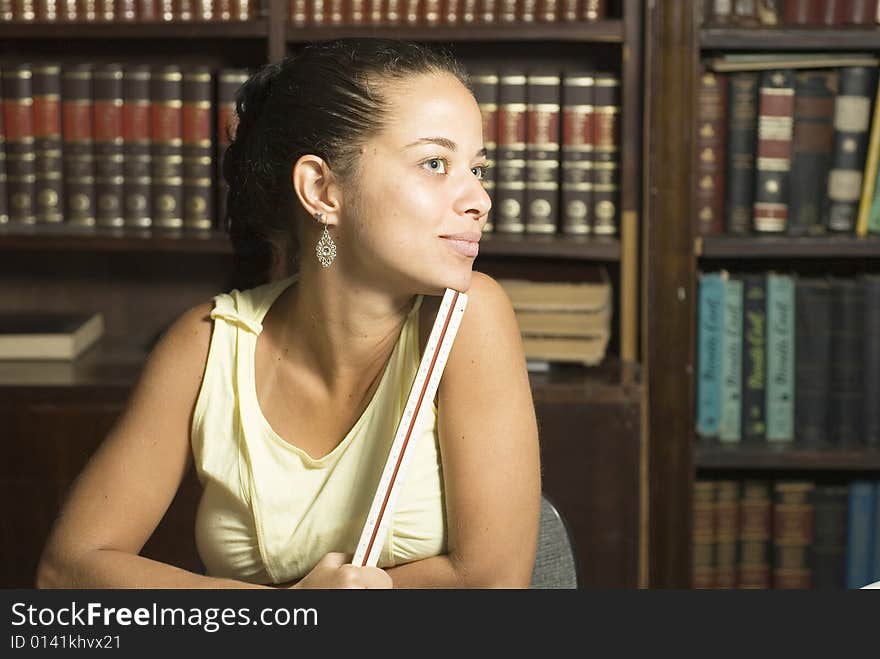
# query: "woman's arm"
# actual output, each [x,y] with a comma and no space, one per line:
[489,447]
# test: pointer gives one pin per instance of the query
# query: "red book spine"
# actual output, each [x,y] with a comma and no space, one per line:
[297,13]
[198,161]
[802,12]
[450,12]
[858,12]
[703,541]
[18,119]
[792,534]
[23,11]
[542,152]
[487,12]
[773,163]
[149,10]
[108,145]
[334,9]
[357,12]
[755,532]
[166,108]
[510,185]
[136,132]
[506,11]
[829,11]
[549,11]
[79,138]
[594,10]
[711,152]
[469,10]
[4,208]
[69,11]
[578,141]
[395,13]
[49,192]
[204,11]
[88,11]
[606,155]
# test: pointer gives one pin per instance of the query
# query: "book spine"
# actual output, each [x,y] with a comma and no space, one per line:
[109,138]
[578,110]
[136,137]
[847,391]
[726,533]
[594,10]
[549,10]
[297,12]
[20,157]
[719,12]
[510,185]
[801,12]
[542,152]
[869,175]
[829,12]
[792,534]
[485,86]
[871,285]
[773,164]
[469,11]
[606,154]
[23,11]
[780,358]
[49,189]
[79,138]
[745,13]
[166,105]
[754,373]
[742,116]
[858,12]
[770,12]
[812,360]
[228,83]
[755,535]
[711,125]
[198,160]
[874,211]
[4,208]
[703,541]
[731,363]
[811,149]
[488,12]
[709,337]
[206,11]
[334,12]
[852,112]
[860,525]
[828,552]
[395,12]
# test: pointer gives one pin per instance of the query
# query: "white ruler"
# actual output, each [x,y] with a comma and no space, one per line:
[422,393]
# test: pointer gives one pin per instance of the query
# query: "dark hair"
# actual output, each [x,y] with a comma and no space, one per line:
[326,101]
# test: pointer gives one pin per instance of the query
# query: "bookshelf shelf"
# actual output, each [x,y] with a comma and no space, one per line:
[555,246]
[790,39]
[786,457]
[610,31]
[256,29]
[100,239]
[759,247]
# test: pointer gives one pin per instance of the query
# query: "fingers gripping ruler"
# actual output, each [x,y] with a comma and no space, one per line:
[421,395]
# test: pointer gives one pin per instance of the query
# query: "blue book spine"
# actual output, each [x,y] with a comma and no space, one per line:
[780,358]
[731,363]
[860,531]
[709,336]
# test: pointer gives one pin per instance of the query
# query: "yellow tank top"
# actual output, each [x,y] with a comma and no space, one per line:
[268,510]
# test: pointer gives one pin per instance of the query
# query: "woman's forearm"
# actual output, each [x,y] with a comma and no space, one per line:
[109,568]
[443,572]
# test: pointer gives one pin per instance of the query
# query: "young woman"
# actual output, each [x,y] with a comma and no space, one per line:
[357,165]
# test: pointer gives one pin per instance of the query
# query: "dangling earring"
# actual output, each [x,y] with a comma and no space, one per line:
[326,248]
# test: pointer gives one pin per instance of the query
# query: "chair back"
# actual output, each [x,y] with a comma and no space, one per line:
[555,563]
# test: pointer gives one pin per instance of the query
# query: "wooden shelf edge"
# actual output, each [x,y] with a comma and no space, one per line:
[786,457]
[100,239]
[555,246]
[819,38]
[255,29]
[758,247]
[610,31]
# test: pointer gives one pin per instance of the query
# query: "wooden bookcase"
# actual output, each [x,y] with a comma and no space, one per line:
[675,41]
[56,414]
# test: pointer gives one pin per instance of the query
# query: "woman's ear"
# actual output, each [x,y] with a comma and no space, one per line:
[316,187]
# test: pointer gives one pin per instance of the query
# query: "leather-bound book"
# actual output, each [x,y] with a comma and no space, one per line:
[811,149]
[198,157]
[24,11]
[136,138]
[488,12]
[718,13]
[703,534]
[578,139]
[228,82]
[542,151]
[203,11]
[857,12]
[801,13]
[745,13]
[792,533]
[872,359]
[742,117]
[79,137]
[395,12]
[297,12]
[852,116]
[527,11]
[830,12]
[773,162]
[847,388]
[149,11]
[48,165]
[109,139]
[166,147]
[506,11]
[606,154]
[335,14]
[4,208]
[19,125]
[812,337]
[594,10]
[827,555]
[711,152]
[549,11]
[485,85]
[726,532]
[510,184]
[755,534]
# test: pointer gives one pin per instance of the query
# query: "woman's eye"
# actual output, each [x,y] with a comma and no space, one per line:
[480,171]
[436,165]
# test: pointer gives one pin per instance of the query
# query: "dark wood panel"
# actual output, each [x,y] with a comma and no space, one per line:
[62,237]
[602,31]
[787,456]
[762,247]
[791,39]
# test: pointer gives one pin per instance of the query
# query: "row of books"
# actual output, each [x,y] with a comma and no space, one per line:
[790,149]
[129,11]
[114,145]
[789,13]
[552,141]
[782,358]
[562,322]
[786,533]
[443,12]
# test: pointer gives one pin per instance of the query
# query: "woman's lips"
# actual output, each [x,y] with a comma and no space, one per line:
[469,248]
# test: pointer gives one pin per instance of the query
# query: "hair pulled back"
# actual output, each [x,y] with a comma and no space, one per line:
[326,101]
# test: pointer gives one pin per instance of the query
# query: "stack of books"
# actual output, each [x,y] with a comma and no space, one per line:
[562,321]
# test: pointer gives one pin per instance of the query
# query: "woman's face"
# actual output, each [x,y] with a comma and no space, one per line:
[419,207]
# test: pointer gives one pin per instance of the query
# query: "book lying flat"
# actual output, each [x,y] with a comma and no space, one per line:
[557,296]
[769,61]
[48,335]
[586,351]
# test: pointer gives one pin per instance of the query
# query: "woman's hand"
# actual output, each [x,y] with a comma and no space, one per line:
[334,571]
